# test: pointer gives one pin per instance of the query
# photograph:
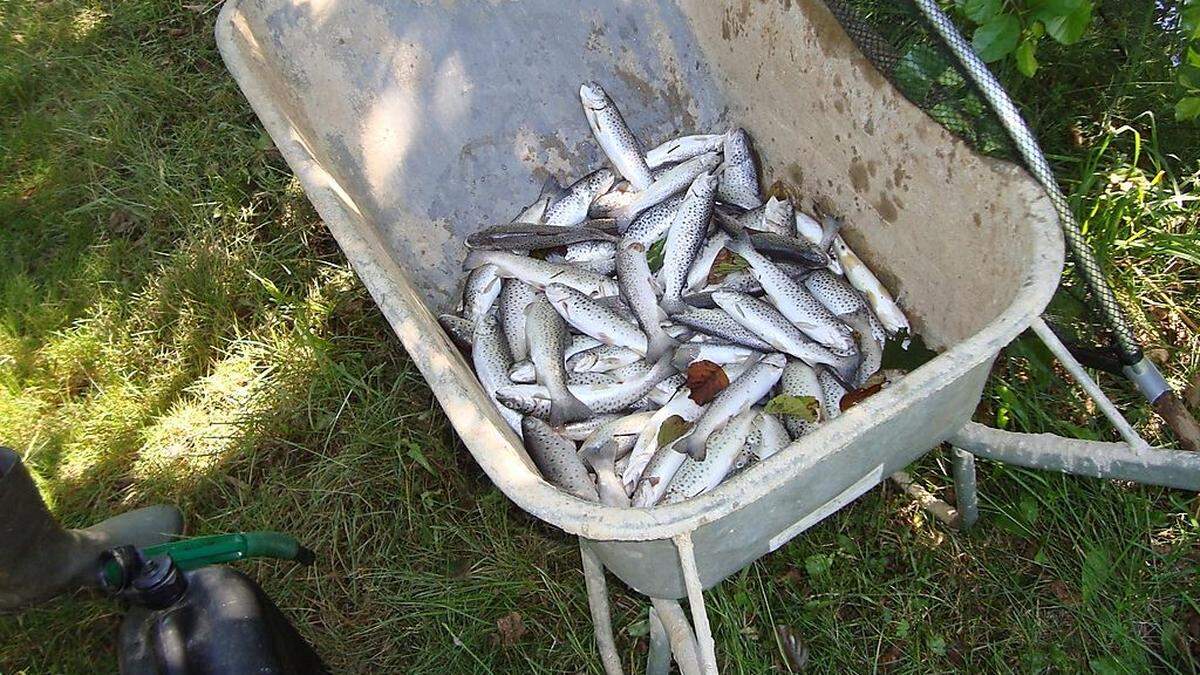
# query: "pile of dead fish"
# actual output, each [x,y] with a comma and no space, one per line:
[649,332]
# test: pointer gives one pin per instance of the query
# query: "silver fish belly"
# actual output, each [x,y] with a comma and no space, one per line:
[614,136]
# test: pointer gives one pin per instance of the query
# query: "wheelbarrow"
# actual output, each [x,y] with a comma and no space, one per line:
[412,124]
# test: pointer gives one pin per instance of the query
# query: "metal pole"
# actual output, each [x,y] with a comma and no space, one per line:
[679,633]
[1159,466]
[962,464]
[695,592]
[658,661]
[597,592]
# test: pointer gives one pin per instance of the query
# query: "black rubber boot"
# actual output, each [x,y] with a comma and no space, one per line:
[39,559]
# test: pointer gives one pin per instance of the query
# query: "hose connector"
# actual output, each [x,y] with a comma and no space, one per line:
[1144,374]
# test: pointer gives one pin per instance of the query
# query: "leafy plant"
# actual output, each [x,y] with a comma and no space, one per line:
[1188,107]
[1005,28]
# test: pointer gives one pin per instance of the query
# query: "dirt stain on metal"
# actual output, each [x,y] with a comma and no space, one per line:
[859,175]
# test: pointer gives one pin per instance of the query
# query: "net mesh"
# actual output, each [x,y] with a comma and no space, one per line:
[920,56]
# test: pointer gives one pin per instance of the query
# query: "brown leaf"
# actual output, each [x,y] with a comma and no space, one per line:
[725,264]
[1062,592]
[793,648]
[853,398]
[890,658]
[120,222]
[510,628]
[705,379]
[671,429]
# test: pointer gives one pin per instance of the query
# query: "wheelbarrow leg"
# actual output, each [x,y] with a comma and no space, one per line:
[597,591]
[658,661]
[962,463]
[680,635]
[695,592]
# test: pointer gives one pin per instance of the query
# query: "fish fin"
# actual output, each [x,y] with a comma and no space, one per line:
[553,189]
[740,243]
[569,409]
[695,448]
[601,458]
[658,345]
[830,228]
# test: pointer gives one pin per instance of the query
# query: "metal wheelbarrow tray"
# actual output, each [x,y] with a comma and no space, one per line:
[413,124]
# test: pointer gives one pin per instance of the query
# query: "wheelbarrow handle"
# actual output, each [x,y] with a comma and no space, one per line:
[1153,466]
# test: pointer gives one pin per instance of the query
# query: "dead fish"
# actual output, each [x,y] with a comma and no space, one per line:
[809,229]
[491,359]
[460,330]
[696,477]
[515,296]
[835,293]
[673,181]
[684,148]
[590,379]
[539,273]
[616,428]
[685,239]
[869,348]
[795,302]
[536,238]
[697,277]
[537,210]
[718,323]
[781,334]
[548,337]
[739,180]
[594,319]
[654,222]
[602,459]
[614,136]
[769,436]
[556,459]
[602,359]
[741,393]
[862,278]
[614,398]
[831,394]
[718,353]
[480,292]
[637,286]
[775,216]
[571,206]
[799,379]
[646,446]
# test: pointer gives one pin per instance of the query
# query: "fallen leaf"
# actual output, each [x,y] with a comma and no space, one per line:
[890,657]
[726,263]
[853,398]
[511,628]
[807,408]
[793,648]
[1060,590]
[120,222]
[654,255]
[705,379]
[671,430]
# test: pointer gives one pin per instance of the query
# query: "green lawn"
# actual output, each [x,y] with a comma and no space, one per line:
[176,324]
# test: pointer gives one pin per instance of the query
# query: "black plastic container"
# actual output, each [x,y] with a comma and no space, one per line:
[210,620]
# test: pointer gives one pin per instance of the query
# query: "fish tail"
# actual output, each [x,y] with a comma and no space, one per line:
[602,457]
[660,343]
[568,409]
[475,259]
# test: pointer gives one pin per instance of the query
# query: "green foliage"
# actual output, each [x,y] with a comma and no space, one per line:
[1188,77]
[1012,28]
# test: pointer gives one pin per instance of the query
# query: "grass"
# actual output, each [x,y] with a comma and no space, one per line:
[176,324]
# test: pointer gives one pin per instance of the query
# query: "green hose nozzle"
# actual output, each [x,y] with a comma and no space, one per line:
[190,554]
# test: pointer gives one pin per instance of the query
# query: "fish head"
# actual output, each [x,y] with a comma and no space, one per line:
[704,186]
[600,182]
[593,96]
[558,293]
[737,146]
